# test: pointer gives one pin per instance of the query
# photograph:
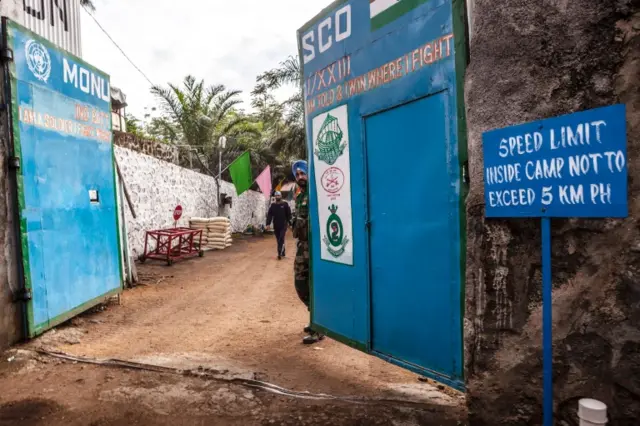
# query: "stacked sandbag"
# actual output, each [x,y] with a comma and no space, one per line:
[201,224]
[219,233]
[216,231]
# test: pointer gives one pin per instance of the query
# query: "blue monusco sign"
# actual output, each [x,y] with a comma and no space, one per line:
[568,166]
[61,128]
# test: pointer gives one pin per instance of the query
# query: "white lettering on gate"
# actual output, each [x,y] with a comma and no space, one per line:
[329,30]
[85,80]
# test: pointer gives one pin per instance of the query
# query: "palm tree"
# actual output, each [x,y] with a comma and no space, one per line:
[88,4]
[197,116]
[291,142]
[288,72]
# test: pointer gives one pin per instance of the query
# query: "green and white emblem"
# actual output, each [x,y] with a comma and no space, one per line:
[332,175]
[330,145]
[335,240]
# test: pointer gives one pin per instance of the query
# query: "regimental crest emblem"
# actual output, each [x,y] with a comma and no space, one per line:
[38,60]
[335,240]
[330,145]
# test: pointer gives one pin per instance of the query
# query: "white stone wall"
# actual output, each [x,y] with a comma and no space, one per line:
[157,187]
[249,208]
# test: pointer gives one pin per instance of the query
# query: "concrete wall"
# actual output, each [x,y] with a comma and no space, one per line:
[249,208]
[531,60]
[157,187]
[13,9]
[159,150]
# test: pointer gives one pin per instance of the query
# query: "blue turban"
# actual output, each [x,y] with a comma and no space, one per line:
[299,165]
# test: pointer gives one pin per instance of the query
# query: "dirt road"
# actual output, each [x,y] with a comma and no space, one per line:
[234,312]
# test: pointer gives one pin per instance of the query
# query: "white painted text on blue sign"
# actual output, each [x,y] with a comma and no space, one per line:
[333,29]
[555,164]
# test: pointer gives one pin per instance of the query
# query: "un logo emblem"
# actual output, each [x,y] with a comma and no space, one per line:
[38,60]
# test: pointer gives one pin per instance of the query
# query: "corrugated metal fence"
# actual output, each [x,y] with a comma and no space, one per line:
[56,20]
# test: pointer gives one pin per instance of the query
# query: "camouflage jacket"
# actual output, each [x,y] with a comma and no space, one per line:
[301,224]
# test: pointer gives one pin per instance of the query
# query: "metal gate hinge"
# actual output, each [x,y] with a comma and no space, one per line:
[23,295]
[7,55]
[465,173]
[14,163]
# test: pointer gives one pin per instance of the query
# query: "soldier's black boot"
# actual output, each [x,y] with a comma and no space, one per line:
[312,338]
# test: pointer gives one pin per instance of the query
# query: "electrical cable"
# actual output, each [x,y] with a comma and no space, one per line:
[211,374]
[117,46]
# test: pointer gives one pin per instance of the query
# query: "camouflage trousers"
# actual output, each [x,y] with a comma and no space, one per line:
[301,271]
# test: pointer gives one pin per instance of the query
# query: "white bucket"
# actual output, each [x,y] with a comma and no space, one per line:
[592,412]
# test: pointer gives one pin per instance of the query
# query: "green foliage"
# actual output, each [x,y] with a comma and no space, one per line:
[133,125]
[88,4]
[287,138]
[194,116]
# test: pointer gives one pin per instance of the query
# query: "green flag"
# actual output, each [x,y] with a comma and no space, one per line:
[240,171]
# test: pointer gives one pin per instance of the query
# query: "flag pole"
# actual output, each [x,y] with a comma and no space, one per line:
[230,164]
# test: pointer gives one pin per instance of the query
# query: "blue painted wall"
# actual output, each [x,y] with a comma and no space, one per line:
[374,68]
[62,132]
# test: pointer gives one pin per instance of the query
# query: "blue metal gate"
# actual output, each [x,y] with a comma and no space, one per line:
[61,129]
[387,149]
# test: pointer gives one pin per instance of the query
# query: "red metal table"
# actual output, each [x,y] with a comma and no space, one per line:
[172,244]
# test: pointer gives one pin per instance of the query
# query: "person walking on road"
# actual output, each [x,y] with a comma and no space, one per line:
[280,215]
[301,232]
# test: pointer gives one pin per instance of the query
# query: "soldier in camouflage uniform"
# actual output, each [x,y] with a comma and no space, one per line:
[301,232]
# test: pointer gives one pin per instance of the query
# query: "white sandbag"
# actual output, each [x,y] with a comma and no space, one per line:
[218,224]
[199,219]
[218,228]
[218,231]
[219,220]
[216,236]
[210,239]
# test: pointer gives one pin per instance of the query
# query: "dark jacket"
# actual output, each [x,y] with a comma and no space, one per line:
[280,214]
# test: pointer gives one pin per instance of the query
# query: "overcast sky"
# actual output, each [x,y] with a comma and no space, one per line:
[223,41]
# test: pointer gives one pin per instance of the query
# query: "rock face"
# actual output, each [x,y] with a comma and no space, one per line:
[532,60]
